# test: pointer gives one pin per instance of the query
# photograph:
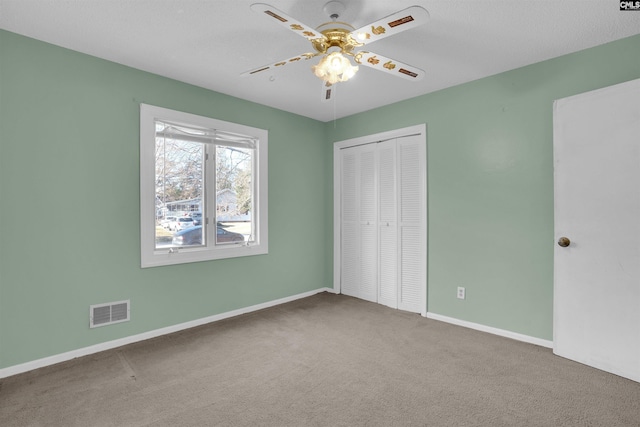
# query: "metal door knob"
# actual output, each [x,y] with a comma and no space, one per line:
[564,242]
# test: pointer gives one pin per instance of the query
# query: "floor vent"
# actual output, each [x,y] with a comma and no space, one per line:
[108,314]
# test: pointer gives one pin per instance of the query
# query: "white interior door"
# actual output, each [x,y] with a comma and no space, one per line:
[388,224]
[368,223]
[412,224]
[350,223]
[359,239]
[597,207]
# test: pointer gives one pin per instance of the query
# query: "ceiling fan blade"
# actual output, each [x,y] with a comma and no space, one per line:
[388,65]
[286,21]
[280,64]
[398,22]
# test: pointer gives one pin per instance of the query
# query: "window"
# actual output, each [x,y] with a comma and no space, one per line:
[203,188]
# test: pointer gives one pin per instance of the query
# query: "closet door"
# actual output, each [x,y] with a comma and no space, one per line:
[368,223]
[412,223]
[382,251]
[359,238]
[350,222]
[387,224]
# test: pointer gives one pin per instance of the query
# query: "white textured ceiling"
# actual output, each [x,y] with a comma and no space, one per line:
[209,43]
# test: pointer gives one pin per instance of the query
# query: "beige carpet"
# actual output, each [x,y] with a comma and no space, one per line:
[327,360]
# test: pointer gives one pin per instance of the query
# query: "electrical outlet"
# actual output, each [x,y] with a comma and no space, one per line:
[461,292]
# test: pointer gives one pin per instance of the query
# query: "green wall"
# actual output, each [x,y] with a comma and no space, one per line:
[490,183]
[69,204]
[69,196]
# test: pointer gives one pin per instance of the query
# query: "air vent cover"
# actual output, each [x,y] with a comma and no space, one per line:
[108,314]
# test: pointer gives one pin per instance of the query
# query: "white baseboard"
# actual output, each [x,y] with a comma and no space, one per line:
[491,330]
[63,357]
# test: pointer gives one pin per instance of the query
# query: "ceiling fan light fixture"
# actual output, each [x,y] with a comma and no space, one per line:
[334,68]
[344,42]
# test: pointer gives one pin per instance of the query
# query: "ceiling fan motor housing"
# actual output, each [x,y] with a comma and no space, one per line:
[338,34]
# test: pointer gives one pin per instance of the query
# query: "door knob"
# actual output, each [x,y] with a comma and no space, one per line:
[564,242]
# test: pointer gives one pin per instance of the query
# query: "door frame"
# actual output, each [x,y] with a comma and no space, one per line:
[420,130]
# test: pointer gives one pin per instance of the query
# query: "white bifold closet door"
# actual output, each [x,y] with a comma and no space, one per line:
[388,224]
[359,222]
[383,221]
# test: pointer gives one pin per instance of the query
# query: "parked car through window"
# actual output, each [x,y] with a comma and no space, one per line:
[193,236]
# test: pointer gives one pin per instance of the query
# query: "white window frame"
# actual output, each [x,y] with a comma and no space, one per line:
[152,257]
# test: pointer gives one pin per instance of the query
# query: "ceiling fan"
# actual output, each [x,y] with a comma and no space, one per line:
[337,41]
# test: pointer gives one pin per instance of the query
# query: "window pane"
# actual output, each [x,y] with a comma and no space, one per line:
[179,166]
[234,194]
[179,190]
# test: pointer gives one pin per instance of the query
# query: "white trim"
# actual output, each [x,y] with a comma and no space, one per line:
[382,136]
[495,331]
[85,351]
[420,129]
